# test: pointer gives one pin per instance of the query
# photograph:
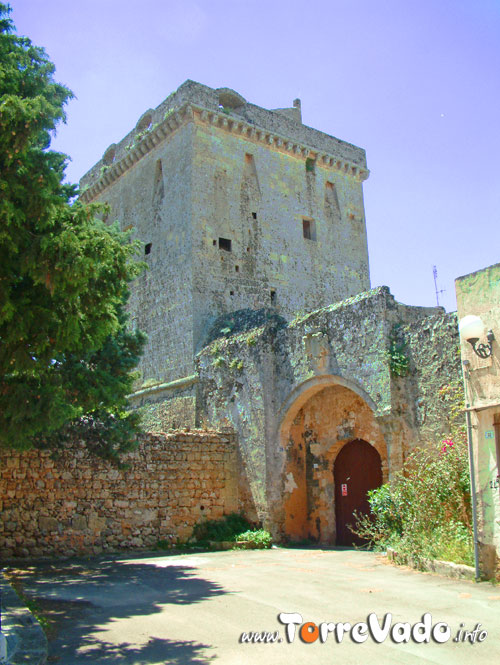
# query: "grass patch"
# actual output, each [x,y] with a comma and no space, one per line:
[36,609]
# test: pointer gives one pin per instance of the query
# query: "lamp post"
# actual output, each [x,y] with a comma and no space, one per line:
[471,330]
[472,484]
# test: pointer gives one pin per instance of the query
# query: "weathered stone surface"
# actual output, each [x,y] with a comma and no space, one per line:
[257,308]
[331,371]
[156,498]
[238,208]
[47,523]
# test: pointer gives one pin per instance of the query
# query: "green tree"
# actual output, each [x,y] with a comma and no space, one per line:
[65,353]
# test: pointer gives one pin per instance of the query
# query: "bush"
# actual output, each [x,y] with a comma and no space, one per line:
[425,511]
[231,528]
[261,538]
[219,530]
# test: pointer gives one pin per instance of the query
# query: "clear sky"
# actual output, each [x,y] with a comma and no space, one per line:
[414,82]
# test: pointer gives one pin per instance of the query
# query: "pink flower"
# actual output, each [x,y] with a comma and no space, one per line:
[448,443]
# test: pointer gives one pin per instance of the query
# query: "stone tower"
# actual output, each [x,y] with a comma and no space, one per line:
[258,307]
[237,207]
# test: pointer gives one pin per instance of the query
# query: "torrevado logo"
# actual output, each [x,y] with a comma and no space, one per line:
[374,629]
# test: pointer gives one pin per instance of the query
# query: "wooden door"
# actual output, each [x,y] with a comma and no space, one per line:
[357,469]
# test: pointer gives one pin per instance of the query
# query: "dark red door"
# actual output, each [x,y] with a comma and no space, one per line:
[357,469]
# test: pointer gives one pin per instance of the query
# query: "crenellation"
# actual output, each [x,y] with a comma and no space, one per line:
[172,122]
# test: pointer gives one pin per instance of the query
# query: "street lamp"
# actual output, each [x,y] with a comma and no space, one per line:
[471,328]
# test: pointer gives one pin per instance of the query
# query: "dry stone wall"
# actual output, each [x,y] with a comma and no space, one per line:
[78,504]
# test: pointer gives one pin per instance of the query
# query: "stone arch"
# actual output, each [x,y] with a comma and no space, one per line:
[110,154]
[230,98]
[145,121]
[304,391]
[317,419]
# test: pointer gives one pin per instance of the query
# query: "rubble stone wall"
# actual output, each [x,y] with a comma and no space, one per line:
[78,504]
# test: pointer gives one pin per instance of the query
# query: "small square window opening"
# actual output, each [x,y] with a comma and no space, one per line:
[309,229]
[147,248]
[225,244]
[254,215]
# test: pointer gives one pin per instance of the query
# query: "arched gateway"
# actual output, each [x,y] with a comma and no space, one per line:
[333,452]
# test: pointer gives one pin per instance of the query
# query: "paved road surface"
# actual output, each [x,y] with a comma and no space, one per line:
[193,608]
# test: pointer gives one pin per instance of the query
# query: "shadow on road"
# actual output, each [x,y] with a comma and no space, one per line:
[80,599]
[156,652]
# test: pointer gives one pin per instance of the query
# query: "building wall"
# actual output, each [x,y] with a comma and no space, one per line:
[77,504]
[479,294]
[258,380]
[258,197]
[153,198]
[194,170]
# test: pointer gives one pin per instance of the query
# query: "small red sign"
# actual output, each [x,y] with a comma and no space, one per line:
[343,487]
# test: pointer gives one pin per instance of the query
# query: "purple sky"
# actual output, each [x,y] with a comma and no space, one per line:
[415,83]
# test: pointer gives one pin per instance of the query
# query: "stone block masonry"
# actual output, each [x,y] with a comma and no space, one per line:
[258,309]
[297,392]
[77,504]
[236,207]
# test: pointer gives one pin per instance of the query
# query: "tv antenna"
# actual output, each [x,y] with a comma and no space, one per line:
[435,273]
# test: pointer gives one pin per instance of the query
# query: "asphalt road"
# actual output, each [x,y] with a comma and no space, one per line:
[194,608]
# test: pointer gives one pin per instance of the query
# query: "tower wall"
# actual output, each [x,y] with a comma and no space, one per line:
[263,201]
[153,198]
[236,207]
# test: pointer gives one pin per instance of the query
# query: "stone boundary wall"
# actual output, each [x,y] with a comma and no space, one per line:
[77,504]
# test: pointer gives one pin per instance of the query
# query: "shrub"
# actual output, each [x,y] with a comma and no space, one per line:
[425,511]
[227,528]
[231,528]
[261,538]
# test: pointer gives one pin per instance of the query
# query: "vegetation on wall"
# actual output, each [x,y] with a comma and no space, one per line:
[399,362]
[310,164]
[244,322]
[65,352]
